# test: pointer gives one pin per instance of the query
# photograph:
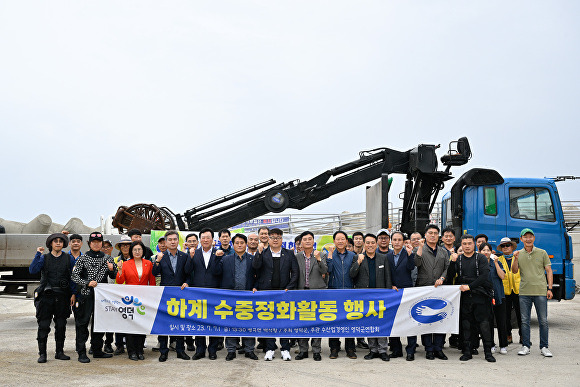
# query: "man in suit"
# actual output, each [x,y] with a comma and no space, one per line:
[401,262]
[236,273]
[311,267]
[371,270]
[174,267]
[202,276]
[432,262]
[277,269]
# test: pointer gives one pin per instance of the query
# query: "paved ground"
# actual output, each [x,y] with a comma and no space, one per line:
[18,354]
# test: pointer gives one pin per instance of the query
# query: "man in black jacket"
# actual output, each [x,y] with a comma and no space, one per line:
[472,272]
[174,267]
[277,269]
[90,269]
[371,270]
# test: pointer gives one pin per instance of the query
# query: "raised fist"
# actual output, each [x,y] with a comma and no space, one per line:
[219,253]
[110,266]
[40,249]
[159,256]
[361,258]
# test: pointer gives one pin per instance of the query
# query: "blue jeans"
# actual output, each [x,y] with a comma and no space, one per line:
[541,304]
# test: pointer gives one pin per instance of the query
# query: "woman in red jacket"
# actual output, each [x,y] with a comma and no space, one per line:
[136,271]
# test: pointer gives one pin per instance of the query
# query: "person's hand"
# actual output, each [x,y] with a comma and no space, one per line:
[464,288]
[65,232]
[361,258]
[93,284]
[159,256]
[516,254]
[454,257]
[395,288]
[409,249]
[439,282]
[285,290]
[422,242]
[185,285]
[219,253]
[260,247]
[549,295]
[40,250]
[111,266]
[254,290]
[120,264]
[72,300]
[317,255]
[330,250]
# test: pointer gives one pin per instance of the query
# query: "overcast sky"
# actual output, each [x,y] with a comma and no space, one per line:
[108,103]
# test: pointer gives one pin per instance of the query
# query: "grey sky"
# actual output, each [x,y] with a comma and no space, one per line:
[176,103]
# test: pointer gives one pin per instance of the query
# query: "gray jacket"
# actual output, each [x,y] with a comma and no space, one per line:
[317,269]
[360,273]
[429,267]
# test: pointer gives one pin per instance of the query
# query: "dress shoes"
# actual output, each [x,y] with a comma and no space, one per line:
[251,355]
[395,355]
[351,354]
[410,357]
[119,351]
[101,355]
[133,356]
[231,356]
[220,346]
[362,344]
[42,358]
[316,357]
[198,356]
[183,355]
[141,356]
[61,356]
[489,357]
[301,355]
[371,355]
[212,356]
[440,355]
[163,357]
[430,355]
[108,348]
[466,357]
[385,356]
[333,353]
[83,358]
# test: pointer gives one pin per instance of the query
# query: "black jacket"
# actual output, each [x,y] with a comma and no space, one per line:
[170,277]
[360,273]
[264,266]
[225,269]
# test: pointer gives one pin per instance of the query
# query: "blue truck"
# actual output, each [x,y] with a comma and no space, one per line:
[483,202]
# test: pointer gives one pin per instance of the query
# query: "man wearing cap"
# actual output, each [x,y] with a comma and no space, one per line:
[55,295]
[383,240]
[76,242]
[532,262]
[511,286]
[91,268]
[136,236]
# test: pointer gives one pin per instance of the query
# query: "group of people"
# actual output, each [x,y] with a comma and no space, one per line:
[490,286]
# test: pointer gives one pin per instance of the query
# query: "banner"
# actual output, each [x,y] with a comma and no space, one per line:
[168,310]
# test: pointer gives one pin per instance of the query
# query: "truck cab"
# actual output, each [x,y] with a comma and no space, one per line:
[483,202]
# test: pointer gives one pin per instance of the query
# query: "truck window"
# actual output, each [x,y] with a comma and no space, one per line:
[448,215]
[531,203]
[489,201]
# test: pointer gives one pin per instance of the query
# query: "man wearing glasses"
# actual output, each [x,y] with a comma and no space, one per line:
[277,269]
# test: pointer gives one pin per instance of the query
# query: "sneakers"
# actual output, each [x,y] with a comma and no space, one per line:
[493,349]
[525,351]
[503,350]
[269,355]
[285,355]
[546,352]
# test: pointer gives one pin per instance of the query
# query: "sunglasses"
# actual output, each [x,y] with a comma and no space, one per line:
[504,246]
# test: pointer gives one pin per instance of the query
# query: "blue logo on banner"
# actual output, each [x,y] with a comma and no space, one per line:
[430,310]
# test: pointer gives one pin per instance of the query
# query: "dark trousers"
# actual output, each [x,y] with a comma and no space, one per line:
[118,339]
[83,317]
[513,301]
[334,343]
[433,342]
[52,307]
[500,322]
[135,343]
[201,345]
[271,344]
[189,341]
[163,349]
[475,312]
[397,346]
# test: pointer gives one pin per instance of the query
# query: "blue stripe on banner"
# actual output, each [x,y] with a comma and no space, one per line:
[296,313]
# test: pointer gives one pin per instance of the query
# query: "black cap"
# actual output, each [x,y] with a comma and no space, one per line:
[95,236]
